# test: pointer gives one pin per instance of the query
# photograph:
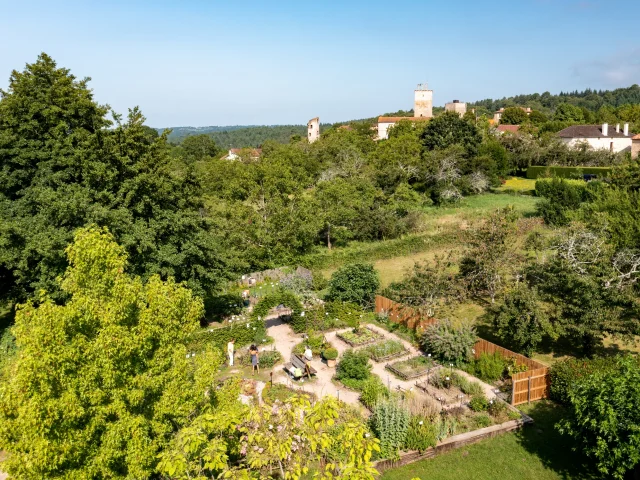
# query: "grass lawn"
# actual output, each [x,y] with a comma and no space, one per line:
[518,184]
[537,452]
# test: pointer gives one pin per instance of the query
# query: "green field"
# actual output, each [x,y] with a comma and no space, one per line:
[537,452]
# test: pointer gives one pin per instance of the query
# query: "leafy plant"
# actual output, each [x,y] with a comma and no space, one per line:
[565,373]
[316,342]
[448,341]
[421,434]
[488,367]
[390,423]
[497,408]
[353,365]
[330,353]
[479,403]
[482,421]
[359,336]
[385,349]
[268,358]
[373,390]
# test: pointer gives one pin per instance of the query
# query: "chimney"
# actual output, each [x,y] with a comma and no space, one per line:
[626,129]
[605,129]
[617,128]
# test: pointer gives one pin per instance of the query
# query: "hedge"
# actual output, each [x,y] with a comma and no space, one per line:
[567,172]
[245,333]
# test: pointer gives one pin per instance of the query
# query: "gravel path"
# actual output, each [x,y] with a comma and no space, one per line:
[285,339]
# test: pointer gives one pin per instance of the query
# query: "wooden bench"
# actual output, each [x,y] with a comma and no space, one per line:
[298,361]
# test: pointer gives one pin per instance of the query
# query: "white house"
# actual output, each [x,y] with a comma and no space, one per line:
[238,153]
[385,123]
[598,137]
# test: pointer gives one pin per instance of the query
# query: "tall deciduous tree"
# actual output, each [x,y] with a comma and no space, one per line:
[199,147]
[513,116]
[62,167]
[449,129]
[101,383]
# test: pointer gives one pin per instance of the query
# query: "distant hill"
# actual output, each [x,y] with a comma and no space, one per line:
[546,102]
[179,133]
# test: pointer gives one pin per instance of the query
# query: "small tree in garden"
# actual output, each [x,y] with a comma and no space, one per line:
[448,341]
[356,282]
[605,418]
[521,321]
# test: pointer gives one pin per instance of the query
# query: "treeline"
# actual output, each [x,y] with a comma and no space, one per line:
[256,136]
[547,103]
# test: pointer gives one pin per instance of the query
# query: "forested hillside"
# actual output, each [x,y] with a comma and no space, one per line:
[546,102]
[180,133]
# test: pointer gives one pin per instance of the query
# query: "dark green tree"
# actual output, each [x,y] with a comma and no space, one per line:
[199,147]
[521,321]
[449,129]
[537,117]
[565,112]
[513,116]
[355,283]
[63,166]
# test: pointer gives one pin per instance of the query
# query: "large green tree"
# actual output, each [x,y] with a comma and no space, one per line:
[449,129]
[63,165]
[100,384]
[513,116]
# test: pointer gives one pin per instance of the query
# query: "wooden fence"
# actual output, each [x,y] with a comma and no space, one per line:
[527,386]
[399,313]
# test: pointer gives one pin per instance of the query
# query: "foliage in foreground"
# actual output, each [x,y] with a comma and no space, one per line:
[605,419]
[448,341]
[100,383]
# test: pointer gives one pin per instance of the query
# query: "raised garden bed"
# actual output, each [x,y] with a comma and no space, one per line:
[411,368]
[359,337]
[386,350]
[282,393]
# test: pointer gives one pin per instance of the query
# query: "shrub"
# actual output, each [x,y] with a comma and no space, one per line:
[356,283]
[565,373]
[316,342]
[223,305]
[267,358]
[482,421]
[255,332]
[497,408]
[449,342]
[353,366]
[479,403]
[390,422]
[421,434]
[560,197]
[343,313]
[373,390]
[468,387]
[568,172]
[489,367]
[330,353]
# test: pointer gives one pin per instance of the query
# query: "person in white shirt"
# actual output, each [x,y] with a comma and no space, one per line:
[230,346]
[308,354]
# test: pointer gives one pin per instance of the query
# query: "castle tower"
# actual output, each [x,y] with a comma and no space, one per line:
[423,102]
[313,129]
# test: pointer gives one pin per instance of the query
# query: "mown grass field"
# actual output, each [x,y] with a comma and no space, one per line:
[537,452]
[518,184]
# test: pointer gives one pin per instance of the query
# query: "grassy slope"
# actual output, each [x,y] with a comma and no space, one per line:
[436,221]
[538,452]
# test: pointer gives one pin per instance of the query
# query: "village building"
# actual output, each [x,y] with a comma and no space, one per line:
[456,106]
[598,137]
[635,146]
[422,110]
[238,153]
[508,128]
[313,129]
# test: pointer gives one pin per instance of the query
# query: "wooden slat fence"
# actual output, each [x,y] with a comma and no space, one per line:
[398,313]
[527,386]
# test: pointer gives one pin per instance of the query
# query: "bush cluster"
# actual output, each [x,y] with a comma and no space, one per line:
[315,341]
[567,172]
[353,369]
[267,358]
[479,403]
[373,390]
[448,341]
[244,333]
[354,283]
[566,373]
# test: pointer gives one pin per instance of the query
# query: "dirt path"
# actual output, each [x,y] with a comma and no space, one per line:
[285,339]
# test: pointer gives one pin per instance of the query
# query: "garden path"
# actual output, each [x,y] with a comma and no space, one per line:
[285,339]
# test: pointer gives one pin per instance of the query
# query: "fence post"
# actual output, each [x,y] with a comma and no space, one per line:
[513,390]
[529,391]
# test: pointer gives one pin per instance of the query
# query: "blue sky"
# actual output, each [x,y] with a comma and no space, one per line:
[277,62]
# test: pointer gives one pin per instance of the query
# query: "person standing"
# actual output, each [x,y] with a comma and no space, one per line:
[230,347]
[255,360]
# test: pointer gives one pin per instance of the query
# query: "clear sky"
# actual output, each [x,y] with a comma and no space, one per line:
[197,63]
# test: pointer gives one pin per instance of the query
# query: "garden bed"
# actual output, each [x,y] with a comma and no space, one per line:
[359,337]
[282,393]
[386,350]
[412,368]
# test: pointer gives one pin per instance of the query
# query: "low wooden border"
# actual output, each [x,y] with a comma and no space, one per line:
[354,345]
[417,374]
[452,443]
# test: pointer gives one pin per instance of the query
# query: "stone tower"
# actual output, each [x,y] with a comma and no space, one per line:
[313,129]
[423,102]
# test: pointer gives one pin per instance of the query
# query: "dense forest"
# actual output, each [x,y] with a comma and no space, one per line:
[546,102]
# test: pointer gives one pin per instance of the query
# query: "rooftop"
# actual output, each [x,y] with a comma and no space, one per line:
[508,128]
[590,131]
